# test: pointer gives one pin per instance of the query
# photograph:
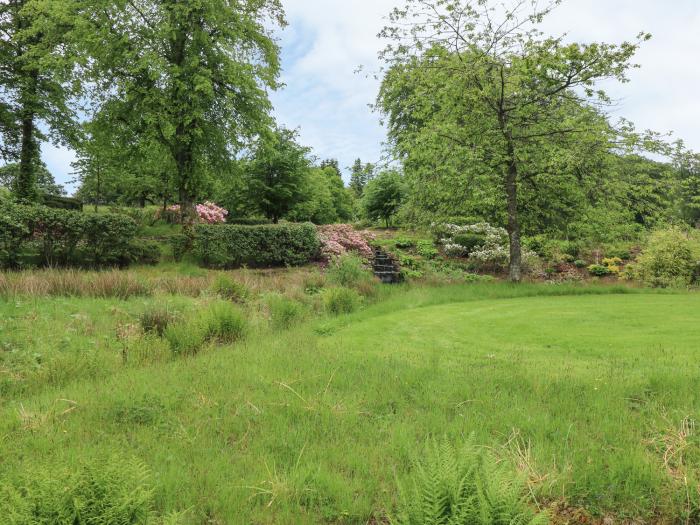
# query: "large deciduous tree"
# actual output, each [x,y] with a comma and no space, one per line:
[277,176]
[507,92]
[190,74]
[36,83]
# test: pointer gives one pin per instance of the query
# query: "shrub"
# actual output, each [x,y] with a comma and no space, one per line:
[227,288]
[108,239]
[180,245]
[426,249]
[230,246]
[341,300]
[669,259]
[338,239]
[579,263]
[103,492]
[62,203]
[224,323]
[598,270]
[466,487]
[185,337]
[58,237]
[348,270]
[404,244]
[283,312]
[145,252]
[156,320]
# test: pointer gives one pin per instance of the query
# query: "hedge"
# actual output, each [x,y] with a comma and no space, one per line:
[56,237]
[231,246]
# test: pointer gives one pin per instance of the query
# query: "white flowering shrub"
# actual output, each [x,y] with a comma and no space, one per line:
[483,243]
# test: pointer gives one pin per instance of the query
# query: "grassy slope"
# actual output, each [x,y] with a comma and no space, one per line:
[313,425]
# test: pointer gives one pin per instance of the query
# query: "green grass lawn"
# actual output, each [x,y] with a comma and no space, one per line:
[591,392]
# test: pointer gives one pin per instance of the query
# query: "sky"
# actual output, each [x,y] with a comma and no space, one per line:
[328,101]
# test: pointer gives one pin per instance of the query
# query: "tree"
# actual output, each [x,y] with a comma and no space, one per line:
[689,187]
[360,175]
[277,176]
[45,182]
[191,75]
[383,196]
[513,91]
[37,83]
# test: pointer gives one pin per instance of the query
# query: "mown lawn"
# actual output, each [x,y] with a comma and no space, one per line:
[592,392]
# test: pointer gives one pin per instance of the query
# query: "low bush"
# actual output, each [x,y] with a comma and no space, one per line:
[62,203]
[669,259]
[282,311]
[426,249]
[104,492]
[185,337]
[145,252]
[404,244]
[56,237]
[231,246]
[227,288]
[339,300]
[349,271]
[598,270]
[248,221]
[156,320]
[224,323]
[466,486]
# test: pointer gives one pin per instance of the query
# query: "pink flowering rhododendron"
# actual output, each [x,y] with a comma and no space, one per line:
[208,212]
[339,239]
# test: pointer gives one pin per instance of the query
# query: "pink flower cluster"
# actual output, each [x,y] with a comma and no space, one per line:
[211,213]
[207,212]
[338,239]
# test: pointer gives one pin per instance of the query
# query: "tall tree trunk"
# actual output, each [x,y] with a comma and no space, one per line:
[25,186]
[515,266]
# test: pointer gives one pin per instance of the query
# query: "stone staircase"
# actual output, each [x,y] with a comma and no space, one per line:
[386,268]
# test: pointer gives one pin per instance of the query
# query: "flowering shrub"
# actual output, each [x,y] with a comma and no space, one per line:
[480,241]
[339,239]
[484,244]
[208,213]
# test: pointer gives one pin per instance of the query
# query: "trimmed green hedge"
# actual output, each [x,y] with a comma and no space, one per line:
[231,246]
[54,237]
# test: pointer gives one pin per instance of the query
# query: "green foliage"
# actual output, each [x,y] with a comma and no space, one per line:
[228,246]
[224,323]
[278,176]
[46,186]
[156,320]
[360,175]
[426,249]
[599,270]
[62,203]
[499,136]
[468,486]
[186,337]
[383,196]
[65,238]
[349,271]
[283,312]
[669,259]
[144,251]
[184,85]
[340,300]
[228,288]
[106,492]
[403,243]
